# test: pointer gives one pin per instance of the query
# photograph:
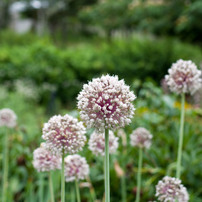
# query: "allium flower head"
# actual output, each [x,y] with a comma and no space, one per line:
[170,189]
[184,77]
[106,102]
[7,118]
[141,137]
[76,167]
[44,160]
[97,143]
[64,133]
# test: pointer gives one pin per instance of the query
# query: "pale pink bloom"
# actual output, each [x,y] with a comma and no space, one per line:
[141,137]
[97,143]
[76,168]
[7,118]
[184,77]
[170,189]
[64,134]
[44,160]
[106,102]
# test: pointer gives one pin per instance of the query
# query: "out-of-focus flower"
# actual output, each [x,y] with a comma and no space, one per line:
[76,168]
[121,133]
[170,189]
[106,102]
[7,118]
[97,143]
[141,137]
[27,88]
[184,77]
[64,134]
[44,160]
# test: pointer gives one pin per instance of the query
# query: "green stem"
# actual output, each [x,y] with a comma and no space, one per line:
[72,193]
[63,178]
[123,188]
[179,155]
[41,186]
[77,191]
[123,178]
[5,167]
[139,175]
[51,187]
[107,178]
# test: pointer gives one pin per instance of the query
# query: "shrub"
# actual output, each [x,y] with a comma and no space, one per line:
[66,68]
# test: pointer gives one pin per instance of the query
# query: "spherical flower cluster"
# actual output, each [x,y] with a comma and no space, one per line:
[170,189]
[64,134]
[141,137]
[106,102]
[76,167]
[7,118]
[184,77]
[44,160]
[97,143]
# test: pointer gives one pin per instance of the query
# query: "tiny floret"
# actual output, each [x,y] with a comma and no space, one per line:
[64,134]
[170,189]
[44,160]
[76,168]
[141,137]
[184,77]
[7,118]
[97,143]
[106,102]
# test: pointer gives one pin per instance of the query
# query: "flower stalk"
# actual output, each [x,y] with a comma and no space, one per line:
[107,177]
[139,175]
[63,178]
[51,187]
[123,188]
[5,167]
[179,155]
[41,186]
[77,191]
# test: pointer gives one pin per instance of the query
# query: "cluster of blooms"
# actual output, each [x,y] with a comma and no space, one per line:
[44,160]
[64,134]
[76,168]
[27,88]
[7,118]
[184,77]
[106,102]
[97,143]
[141,137]
[170,189]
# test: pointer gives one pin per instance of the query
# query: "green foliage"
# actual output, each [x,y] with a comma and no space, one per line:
[154,110]
[60,72]
[165,18]
[190,24]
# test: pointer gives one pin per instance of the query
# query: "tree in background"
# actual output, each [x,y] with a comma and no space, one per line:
[108,15]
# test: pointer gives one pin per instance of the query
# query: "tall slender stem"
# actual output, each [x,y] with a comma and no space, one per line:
[123,188]
[179,155]
[139,175]
[77,191]
[107,178]
[41,186]
[123,178]
[72,189]
[5,167]
[63,178]
[51,187]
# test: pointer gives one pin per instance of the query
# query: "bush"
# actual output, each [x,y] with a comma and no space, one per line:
[67,68]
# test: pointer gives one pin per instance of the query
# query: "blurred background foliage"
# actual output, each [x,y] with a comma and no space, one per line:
[67,43]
